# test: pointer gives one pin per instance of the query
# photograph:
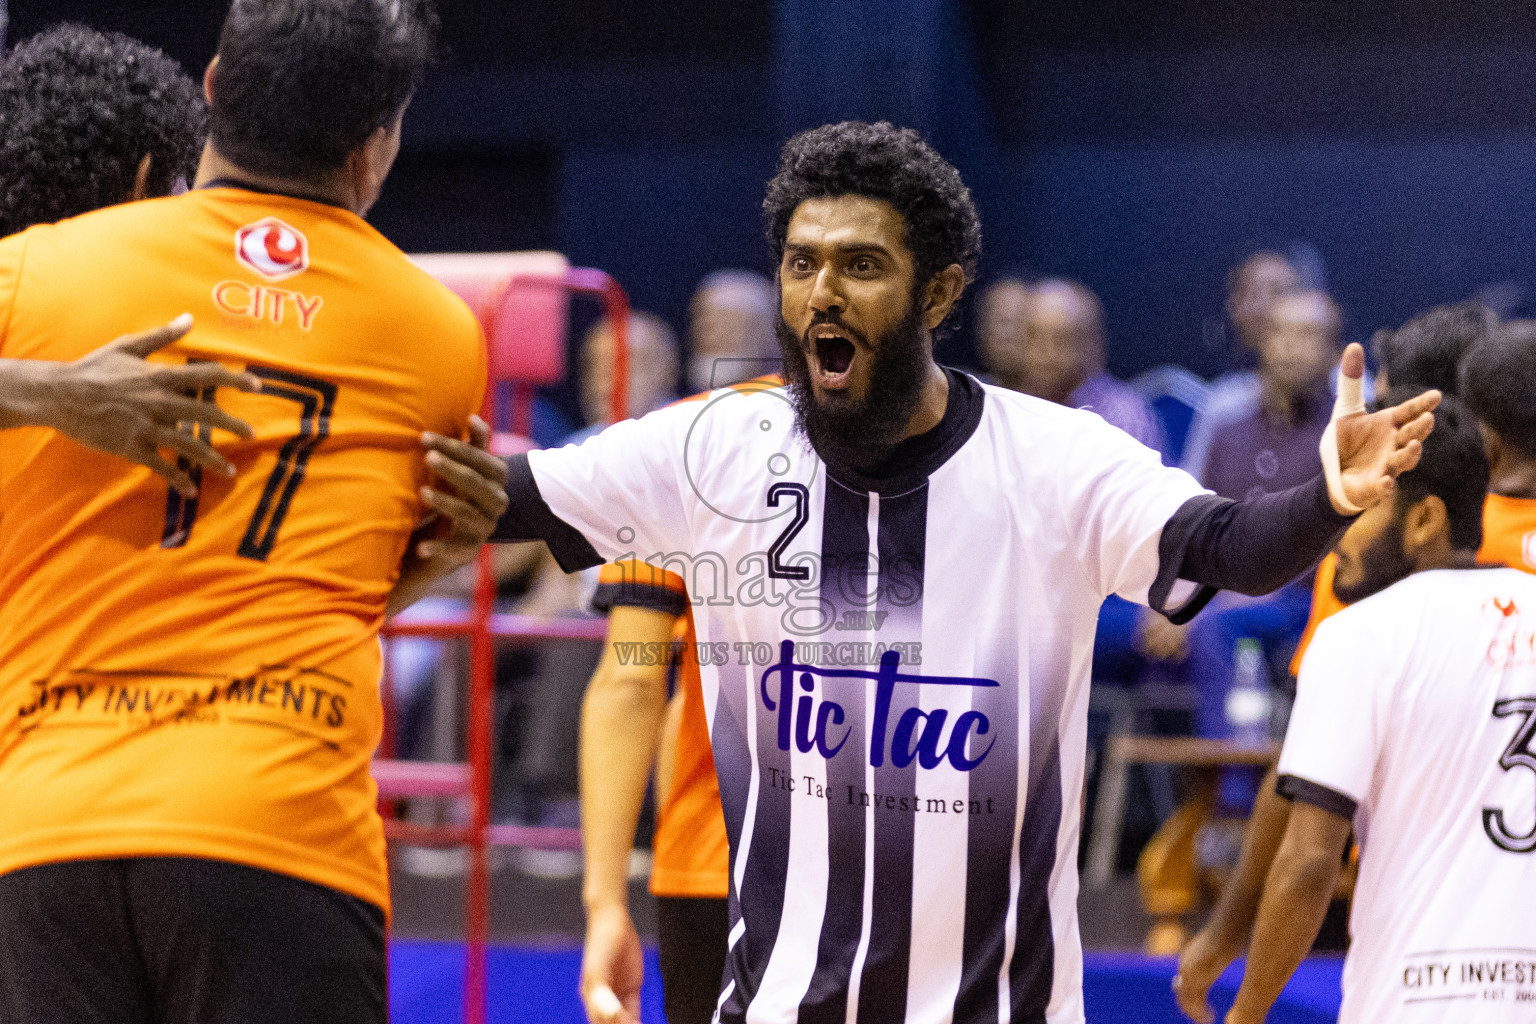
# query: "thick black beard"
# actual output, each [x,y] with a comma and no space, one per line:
[860,434]
[1384,564]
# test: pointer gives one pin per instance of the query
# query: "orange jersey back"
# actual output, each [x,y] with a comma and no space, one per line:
[200,678]
[1509,532]
[692,856]
[1509,538]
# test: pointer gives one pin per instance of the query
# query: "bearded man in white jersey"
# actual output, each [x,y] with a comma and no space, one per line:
[898,571]
[1415,723]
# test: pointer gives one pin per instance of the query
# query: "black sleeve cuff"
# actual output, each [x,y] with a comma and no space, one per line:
[528,517]
[1291,787]
[634,594]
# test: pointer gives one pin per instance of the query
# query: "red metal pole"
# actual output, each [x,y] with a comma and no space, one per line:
[482,665]
[482,682]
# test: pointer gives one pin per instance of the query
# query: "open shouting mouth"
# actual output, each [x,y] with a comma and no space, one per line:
[833,352]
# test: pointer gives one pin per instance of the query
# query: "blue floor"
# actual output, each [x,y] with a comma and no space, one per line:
[426,987]
[1122,988]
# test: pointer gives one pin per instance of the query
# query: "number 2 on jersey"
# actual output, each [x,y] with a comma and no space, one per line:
[802,500]
[1517,755]
[316,399]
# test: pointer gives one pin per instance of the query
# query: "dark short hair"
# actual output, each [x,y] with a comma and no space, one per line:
[301,84]
[1498,383]
[880,161]
[79,110]
[1425,352]
[1453,467]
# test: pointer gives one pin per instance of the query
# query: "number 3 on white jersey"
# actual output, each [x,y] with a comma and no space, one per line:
[1517,754]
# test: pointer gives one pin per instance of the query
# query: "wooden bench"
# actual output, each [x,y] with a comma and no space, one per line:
[1168,873]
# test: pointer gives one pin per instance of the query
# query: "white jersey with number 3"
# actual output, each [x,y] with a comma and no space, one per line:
[1416,712]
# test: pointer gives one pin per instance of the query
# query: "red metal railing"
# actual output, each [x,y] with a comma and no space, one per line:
[483,627]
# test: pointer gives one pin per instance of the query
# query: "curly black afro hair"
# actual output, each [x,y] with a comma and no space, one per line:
[880,161]
[79,109]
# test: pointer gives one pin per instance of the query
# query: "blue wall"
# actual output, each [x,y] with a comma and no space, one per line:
[1140,145]
[1401,225]
[1406,163]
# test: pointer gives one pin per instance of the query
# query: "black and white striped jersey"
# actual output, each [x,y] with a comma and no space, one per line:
[896,672]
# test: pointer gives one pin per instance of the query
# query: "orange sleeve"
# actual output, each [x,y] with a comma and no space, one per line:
[636,584]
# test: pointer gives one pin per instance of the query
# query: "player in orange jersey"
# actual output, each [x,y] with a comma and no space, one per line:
[91,119]
[650,640]
[189,687]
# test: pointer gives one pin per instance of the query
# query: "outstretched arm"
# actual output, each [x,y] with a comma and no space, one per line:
[616,494]
[621,721]
[1258,545]
[1296,897]
[116,401]
[1221,941]
[469,498]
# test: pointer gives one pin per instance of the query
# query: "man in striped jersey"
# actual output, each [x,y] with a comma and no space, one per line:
[898,571]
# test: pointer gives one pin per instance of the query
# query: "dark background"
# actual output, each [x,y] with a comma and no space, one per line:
[1139,145]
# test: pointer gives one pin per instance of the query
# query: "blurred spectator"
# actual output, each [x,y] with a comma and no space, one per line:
[1272,448]
[730,335]
[1253,286]
[653,356]
[1048,341]
[1506,300]
[653,370]
[1002,330]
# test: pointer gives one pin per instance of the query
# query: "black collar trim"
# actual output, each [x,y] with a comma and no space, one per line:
[249,187]
[914,460]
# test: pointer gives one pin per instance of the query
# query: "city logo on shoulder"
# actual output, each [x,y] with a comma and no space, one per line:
[272,248]
[277,251]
